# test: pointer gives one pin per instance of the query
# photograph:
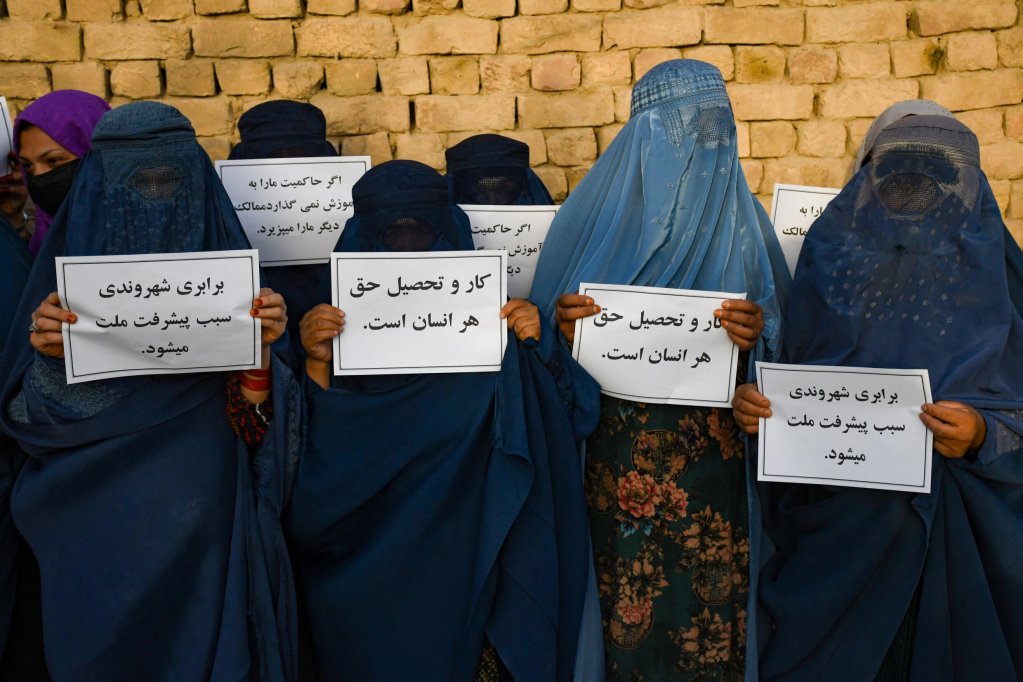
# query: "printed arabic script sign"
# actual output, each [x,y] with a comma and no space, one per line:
[159,313]
[519,230]
[793,210]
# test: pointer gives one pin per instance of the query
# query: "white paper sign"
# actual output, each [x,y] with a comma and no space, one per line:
[657,345]
[161,313]
[793,210]
[519,230]
[845,426]
[7,134]
[293,210]
[420,312]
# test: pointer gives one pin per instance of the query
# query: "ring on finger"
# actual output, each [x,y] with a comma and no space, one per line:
[33,328]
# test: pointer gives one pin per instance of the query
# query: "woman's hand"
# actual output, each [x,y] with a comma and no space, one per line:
[572,307]
[743,321]
[957,427]
[272,313]
[748,406]
[318,329]
[523,318]
[46,336]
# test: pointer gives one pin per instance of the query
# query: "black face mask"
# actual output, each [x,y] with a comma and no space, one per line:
[49,189]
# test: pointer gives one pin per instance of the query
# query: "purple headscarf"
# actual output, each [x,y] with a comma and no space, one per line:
[68,116]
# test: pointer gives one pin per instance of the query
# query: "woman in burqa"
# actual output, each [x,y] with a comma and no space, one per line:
[436,516]
[156,530]
[667,205]
[909,267]
[492,169]
[287,129]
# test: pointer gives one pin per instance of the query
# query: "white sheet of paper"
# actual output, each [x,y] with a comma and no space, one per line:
[293,210]
[420,312]
[160,313]
[845,426]
[519,230]
[7,134]
[656,345]
[793,210]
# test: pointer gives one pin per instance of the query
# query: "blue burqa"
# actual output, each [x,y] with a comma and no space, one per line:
[434,512]
[493,169]
[157,534]
[909,267]
[287,129]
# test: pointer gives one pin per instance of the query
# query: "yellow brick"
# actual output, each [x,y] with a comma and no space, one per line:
[40,41]
[1002,160]
[216,6]
[651,57]
[422,8]
[940,16]
[404,76]
[557,33]
[209,115]
[275,9]
[351,77]
[446,35]
[426,148]
[1015,227]
[571,146]
[217,148]
[718,55]
[454,76]
[573,176]
[596,5]
[567,110]
[555,72]
[771,138]
[742,138]
[986,124]
[505,73]
[864,61]
[971,51]
[813,65]
[756,3]
[543,6]
[1002,191]
[93,10]
[554,179]
[443,113]
[368,36]
[662,27]
[166,10]
[86,76]
[821,138]
[384,6]
[857,131]
[1014,124]
[335,7]
[298,80]
[489,9]
[855,98]
[865,22]
[801,171]
[376,146]
[606,68]
[606,135]
[755,26]
[754,173]
[1010,46]
[916,57]
[243,76]
[238,37]
[365,114]
[25,81]
[622,101]
[49,10]
[978,90]
[190,77]
[763,102]
[759,64]
[1015,199]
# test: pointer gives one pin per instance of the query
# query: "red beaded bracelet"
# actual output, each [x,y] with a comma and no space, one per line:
[255,380]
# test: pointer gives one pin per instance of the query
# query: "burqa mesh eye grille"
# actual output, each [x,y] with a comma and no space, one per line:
[909,193]
[410,234]
[157,182]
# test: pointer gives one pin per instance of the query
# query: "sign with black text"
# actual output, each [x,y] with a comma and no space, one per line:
[519,230]
[793,210]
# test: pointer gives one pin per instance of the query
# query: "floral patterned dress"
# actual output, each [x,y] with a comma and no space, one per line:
[666,487]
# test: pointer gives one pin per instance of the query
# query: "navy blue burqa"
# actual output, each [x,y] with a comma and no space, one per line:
[909,267]
[287,129]
[157,534]
[493,169]
[433,512]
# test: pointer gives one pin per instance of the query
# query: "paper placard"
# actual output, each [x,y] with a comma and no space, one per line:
[160,313]
[519,230]
[845,426]
[6,135]
[420,312]
[793,210]
[656,345]
[293,210]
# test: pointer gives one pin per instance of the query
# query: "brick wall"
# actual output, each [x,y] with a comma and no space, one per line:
[408,78]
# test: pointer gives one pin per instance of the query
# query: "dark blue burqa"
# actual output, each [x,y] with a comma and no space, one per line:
[286,129]
[910,266]
[493,169]
[433,512]
[157,535]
